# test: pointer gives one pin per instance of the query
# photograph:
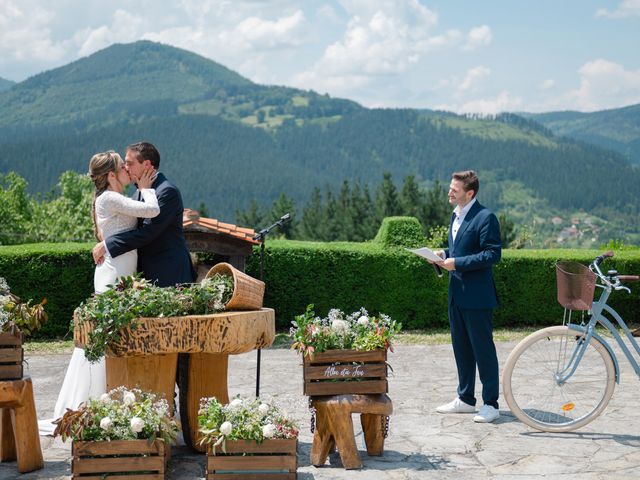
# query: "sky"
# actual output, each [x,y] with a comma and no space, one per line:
[458,55]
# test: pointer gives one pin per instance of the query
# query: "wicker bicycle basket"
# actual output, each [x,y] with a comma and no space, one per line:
[248,292]
[576,285]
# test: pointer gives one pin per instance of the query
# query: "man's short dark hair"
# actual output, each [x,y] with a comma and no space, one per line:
[469,180]
[146,151]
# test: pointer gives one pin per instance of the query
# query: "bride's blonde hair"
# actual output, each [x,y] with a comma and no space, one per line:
[100,165]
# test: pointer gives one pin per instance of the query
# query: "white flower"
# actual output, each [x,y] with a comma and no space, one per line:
[335,314]
[105,423]
[225,428]
[339,326]
[137,424]
[269,430]
[263,408]
[235,403]
[128,398]
[105,397]
[4,286]
[363,320]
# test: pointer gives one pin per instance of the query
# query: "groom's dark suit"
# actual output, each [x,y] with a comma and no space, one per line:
[163,257]
[472,297]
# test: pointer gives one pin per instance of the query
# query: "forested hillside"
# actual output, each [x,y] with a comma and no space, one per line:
[617,129]
[5,84]
[227,141]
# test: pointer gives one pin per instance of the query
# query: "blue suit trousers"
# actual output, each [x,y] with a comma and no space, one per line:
[472,338]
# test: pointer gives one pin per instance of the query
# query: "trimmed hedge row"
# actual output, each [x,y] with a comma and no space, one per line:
[331,275]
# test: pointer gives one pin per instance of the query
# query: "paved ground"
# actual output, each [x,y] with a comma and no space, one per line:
[422,444]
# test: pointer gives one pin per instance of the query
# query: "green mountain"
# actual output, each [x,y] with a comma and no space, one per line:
[225,140]
[616,129]
[5,84]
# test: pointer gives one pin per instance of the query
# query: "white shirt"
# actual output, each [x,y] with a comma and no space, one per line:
[460,214]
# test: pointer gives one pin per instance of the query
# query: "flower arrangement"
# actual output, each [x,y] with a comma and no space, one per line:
[357,331]
[16,314]
[120,414]
[133,297]
[242,419]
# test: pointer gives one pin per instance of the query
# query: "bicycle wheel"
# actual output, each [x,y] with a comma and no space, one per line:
[534,395]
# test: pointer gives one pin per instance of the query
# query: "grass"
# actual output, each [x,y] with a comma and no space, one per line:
[282,340]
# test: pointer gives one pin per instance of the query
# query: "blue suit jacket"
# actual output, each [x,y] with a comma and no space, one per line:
[476,249]
[163,257]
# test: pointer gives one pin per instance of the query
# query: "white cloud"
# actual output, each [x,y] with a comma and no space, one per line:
[548,84]
[626,8]
[125,27]
[25,33]
[605,84]
[503,102]
[255,33]
[473,76]
[478,37]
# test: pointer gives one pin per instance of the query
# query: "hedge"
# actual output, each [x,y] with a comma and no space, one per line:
[332,275]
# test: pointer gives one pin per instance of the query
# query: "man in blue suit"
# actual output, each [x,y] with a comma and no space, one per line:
[474,247]
[163,257]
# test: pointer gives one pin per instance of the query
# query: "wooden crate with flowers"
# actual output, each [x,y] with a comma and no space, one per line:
[343,354]
[125,434]
[17,319]
[248,439]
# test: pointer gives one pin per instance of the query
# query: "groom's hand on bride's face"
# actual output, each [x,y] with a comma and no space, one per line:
[98,253]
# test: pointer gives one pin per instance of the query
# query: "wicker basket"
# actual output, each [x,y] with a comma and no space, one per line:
[247,291]
[576,285]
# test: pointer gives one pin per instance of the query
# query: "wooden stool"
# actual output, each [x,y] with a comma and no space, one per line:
[334,426]
[19,436]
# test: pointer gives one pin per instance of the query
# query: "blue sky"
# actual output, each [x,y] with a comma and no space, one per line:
[463,56]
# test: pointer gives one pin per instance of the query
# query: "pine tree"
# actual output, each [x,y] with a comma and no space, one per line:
[252,217]
[281,206]
[313,224]
[387,201]
[412,198]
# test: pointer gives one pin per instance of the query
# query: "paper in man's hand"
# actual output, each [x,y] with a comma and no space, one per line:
[425,252]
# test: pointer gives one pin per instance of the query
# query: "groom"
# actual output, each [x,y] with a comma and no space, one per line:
[163,257]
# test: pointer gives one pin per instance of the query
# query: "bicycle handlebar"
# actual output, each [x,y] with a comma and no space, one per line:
[613,282]
[600,258]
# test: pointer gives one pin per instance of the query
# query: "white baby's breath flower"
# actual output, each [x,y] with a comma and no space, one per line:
[363,320]
[105,423]
[236,403]
[335,314]
[128,398]
[268,431]
[137,424]
[4,286]
[226,428]
[339,326]
[105,397]
[263,408]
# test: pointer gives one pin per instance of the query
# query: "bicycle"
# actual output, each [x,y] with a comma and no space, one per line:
[570,370]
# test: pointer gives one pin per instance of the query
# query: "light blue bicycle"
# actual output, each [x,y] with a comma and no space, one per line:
[560,378]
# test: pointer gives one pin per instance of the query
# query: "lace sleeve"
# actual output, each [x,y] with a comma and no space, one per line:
[117,203]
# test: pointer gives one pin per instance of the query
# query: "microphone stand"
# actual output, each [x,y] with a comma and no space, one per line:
[260,236]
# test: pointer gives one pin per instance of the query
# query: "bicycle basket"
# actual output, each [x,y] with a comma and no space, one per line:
[576,285]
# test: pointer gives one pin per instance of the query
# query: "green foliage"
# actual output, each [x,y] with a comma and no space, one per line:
[110,312]
[400,232]
[14,313]
[356,331]
[120,414]
[618,245]
[332,275]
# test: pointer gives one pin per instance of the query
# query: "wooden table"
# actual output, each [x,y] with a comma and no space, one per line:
[147,358]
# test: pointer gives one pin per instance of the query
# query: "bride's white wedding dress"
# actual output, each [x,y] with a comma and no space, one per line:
[115,213]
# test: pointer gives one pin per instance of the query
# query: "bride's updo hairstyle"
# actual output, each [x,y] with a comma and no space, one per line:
[99,167]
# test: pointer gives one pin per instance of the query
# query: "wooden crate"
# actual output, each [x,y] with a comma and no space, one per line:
[339,372]
[247,460]
[119,459]
[11,356]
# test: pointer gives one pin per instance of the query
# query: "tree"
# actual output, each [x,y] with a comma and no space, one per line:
[387,201]
[411,198]
[507,230]
[313,224]
[252,217]
[437,210]
[283,205]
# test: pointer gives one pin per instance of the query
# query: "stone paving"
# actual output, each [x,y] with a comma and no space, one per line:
[421,444]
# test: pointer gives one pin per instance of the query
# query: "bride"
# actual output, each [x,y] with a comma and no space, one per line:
[112,213]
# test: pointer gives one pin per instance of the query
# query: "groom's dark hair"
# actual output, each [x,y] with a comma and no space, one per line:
[146,151]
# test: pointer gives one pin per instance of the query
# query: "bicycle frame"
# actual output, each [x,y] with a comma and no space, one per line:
[588,331]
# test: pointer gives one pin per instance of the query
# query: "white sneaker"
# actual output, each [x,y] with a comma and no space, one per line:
[487,414]
[456,406]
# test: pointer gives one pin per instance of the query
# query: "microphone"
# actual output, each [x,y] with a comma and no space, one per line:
[437,269]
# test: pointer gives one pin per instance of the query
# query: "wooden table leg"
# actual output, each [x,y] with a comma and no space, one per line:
[155,373]
[373,433]
[323,441]
[207,378]
[25,429]
[7,439]
[341,426]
